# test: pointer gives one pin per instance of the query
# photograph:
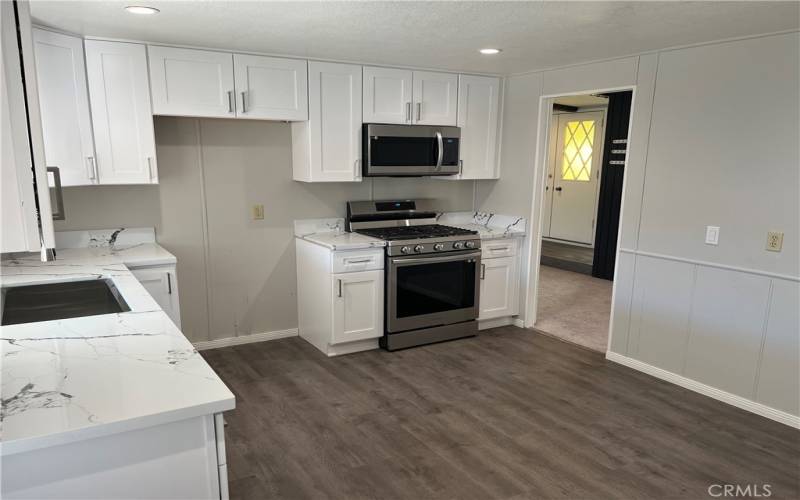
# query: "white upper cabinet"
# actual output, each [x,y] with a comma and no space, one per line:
[387,95]
[119,98]
[435,98]
[188,82]
[327,147]
[64,99]
[271,88]
[478,117]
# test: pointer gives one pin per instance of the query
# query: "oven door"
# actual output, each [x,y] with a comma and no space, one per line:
[424,291]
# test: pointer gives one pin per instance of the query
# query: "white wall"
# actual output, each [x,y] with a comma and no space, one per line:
[714,141]
[237,275]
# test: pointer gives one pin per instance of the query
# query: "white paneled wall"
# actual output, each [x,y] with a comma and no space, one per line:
[729,329]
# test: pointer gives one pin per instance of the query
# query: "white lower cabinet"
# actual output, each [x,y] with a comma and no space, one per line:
[357,306]
[499,294]
[339,297]
[161,282]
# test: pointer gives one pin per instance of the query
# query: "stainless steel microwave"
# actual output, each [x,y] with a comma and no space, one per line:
[410,150]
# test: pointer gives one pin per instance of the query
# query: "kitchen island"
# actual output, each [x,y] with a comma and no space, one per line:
[109,406]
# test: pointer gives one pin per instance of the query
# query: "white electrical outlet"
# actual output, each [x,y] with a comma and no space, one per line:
[774,241]
[712,235]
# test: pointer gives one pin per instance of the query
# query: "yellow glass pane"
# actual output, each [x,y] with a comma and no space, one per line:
[576,164]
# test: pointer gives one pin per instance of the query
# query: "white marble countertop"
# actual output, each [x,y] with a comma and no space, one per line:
[330,234]
[73,379]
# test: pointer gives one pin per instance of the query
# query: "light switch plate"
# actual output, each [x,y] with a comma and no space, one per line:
[258,212]
[712,235]
[774,241]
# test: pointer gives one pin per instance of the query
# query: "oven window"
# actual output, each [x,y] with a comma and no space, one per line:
[433,288]
[386,151]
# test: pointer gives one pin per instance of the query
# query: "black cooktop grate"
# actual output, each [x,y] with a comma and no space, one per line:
[415,232]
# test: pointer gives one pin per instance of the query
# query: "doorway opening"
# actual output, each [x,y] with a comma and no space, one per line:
[587,146]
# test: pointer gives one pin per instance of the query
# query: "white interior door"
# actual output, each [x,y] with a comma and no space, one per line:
[578,156]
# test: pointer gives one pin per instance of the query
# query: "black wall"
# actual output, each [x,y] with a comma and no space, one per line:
[605,240]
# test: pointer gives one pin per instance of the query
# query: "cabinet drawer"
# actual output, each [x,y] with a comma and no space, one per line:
[498,248]
[357,260]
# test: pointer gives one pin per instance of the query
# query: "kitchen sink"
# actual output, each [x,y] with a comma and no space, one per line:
[60,300]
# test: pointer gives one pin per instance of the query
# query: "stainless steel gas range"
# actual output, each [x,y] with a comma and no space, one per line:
[432,271]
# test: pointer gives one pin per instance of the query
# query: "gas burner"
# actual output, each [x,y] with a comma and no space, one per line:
[394,233]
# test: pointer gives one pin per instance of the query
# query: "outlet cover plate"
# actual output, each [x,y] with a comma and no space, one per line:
[712,235]
[774,241]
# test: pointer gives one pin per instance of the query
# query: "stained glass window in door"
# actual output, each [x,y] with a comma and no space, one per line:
[576,164]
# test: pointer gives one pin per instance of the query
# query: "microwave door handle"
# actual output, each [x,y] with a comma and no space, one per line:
[440,156]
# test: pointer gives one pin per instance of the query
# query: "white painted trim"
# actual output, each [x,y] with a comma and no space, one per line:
[704,263]
[495,322]
[519,323]
[245,339]
[706,390]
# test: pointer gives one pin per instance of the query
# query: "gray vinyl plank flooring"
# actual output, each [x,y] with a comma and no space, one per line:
[511,414]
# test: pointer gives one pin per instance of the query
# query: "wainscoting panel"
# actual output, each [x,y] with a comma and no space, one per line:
[623,288]
[778,383]
[663,298]
[728,314]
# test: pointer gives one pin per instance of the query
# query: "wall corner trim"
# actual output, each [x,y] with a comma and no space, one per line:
[245,339]
[706,390]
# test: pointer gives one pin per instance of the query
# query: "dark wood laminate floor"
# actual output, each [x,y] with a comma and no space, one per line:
[509,414]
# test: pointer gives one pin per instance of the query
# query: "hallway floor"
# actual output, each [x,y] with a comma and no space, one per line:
[574,307]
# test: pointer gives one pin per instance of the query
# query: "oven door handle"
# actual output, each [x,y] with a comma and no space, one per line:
[430,260]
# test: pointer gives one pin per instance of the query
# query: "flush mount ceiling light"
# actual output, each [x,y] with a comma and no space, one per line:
[140,9]
[490,52]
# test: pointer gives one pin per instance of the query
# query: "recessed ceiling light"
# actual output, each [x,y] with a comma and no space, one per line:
[140,9]
[489,52]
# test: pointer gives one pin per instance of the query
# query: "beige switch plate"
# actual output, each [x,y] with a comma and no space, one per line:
[774,241]
[258,212]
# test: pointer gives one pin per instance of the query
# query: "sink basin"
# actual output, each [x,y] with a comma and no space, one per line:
[64,299]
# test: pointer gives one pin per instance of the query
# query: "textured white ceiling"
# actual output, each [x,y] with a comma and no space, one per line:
[447,35]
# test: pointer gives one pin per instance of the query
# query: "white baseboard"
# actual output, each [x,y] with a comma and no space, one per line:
[519,323]
[494,322]
[245,339]
[707,390]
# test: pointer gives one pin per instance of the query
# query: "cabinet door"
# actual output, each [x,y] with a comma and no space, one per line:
[271,88]
[499,288]
[334,122]
[119,98]
[189,82]
[435,98]
[17,197]
[162,284]
[64,100]
[387,95]
[478,110]
[357,306]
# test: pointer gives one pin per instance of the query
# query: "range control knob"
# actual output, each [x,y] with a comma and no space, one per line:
[470,244]
[438,247]
[458,245]
[405,249]
[419,248]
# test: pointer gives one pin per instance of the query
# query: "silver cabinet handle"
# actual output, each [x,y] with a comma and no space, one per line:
[340,287]
[57,215]
[169,284]
[230,101]
[361,261]
[483,271]
[498,249]
[440,156]
[150,168]
[244,103]
[408,111]
[419,110]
